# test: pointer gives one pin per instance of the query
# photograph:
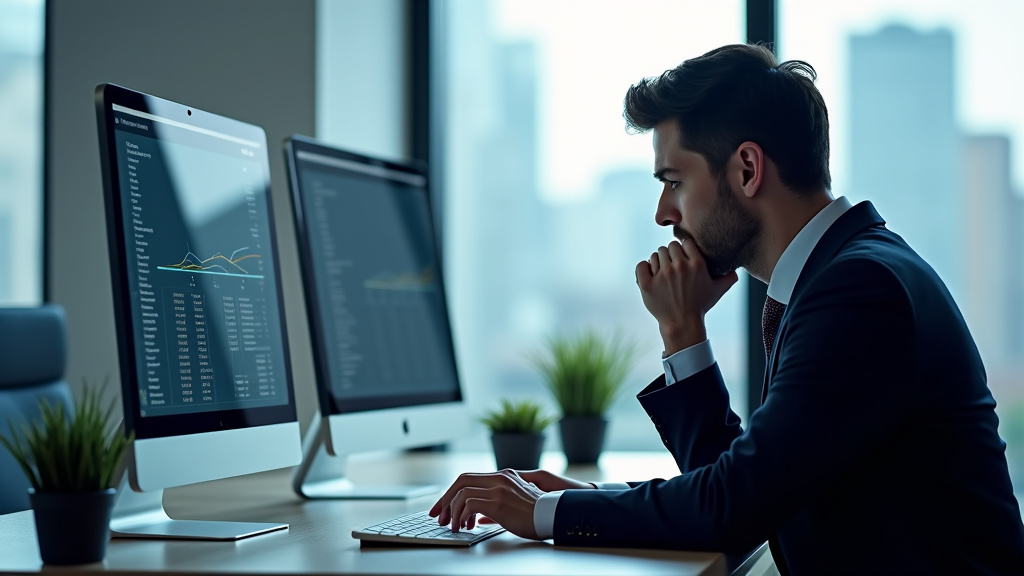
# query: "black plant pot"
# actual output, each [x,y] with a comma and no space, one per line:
[72,528]
[582,438]
[517,451]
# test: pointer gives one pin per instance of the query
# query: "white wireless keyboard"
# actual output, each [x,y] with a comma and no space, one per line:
[420,528]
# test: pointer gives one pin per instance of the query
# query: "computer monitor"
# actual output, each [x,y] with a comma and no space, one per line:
[205,376]
[378,317]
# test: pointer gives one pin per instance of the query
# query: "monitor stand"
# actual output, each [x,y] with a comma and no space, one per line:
[322,476]
[142,515]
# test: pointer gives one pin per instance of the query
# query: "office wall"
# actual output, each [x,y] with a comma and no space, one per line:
[253,60]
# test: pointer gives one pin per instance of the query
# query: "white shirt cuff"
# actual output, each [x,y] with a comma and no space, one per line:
[611,485]
[544,514]
[688,362]
[544,509]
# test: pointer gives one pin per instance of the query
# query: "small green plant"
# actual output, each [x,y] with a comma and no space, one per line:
[522,417]
[70,455]
[585,372]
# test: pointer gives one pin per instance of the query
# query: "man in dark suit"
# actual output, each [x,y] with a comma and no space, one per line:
[875,448]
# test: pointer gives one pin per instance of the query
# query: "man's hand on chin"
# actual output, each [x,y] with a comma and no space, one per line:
[678,291]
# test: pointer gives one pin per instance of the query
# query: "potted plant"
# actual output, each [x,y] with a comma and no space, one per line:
[72,464]
[585,373]
[517,434]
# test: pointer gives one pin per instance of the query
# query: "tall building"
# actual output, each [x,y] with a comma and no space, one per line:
[513,271]
[523,268]
[905,143]
[1014,269]
[6,257]
[494,241]
[497,254]
[991,236]
[511,202]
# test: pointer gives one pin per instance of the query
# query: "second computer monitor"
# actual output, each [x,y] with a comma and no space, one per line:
[382,342]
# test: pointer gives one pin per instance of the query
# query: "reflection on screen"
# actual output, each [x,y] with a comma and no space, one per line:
[204,311]
[383,322]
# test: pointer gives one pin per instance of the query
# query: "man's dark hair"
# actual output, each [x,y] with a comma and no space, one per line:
[738,93]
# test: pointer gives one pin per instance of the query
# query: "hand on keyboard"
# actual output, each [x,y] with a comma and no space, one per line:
[507,497]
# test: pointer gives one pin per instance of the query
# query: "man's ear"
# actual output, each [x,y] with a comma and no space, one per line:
[749,168]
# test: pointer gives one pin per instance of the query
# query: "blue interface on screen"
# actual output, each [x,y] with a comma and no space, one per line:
[201,274]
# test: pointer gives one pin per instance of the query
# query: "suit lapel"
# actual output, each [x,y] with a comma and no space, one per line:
[856,219]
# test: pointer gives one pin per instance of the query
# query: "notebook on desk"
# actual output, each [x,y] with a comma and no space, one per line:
[419,528]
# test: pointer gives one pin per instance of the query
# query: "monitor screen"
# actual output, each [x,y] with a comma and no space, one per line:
[200,318]
[373,281]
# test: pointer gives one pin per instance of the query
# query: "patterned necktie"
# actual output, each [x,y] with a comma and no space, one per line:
[770,319]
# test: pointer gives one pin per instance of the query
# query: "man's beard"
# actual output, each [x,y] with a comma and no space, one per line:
[725,236]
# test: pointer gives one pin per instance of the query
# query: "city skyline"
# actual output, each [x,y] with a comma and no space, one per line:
[909,156]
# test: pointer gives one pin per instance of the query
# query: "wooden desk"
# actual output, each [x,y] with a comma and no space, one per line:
[318,540]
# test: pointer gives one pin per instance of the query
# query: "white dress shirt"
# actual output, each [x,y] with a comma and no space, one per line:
[689,361]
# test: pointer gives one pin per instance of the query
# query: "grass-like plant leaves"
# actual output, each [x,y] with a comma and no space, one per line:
[69,455]
[585,372]
[524,417]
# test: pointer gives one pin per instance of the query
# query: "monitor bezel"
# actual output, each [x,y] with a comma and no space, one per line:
[330,405]
[106,96]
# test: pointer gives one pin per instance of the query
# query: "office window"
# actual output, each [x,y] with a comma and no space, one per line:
[548,202]
[21,151]
[924,105]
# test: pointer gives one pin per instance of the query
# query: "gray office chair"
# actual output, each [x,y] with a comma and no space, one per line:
[33,354]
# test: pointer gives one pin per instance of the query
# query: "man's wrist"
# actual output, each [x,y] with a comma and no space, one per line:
[678,338]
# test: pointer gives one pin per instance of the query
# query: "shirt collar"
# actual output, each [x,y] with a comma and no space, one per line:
[793,258]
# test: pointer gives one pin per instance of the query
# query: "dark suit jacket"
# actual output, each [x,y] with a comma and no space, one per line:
[874,450]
